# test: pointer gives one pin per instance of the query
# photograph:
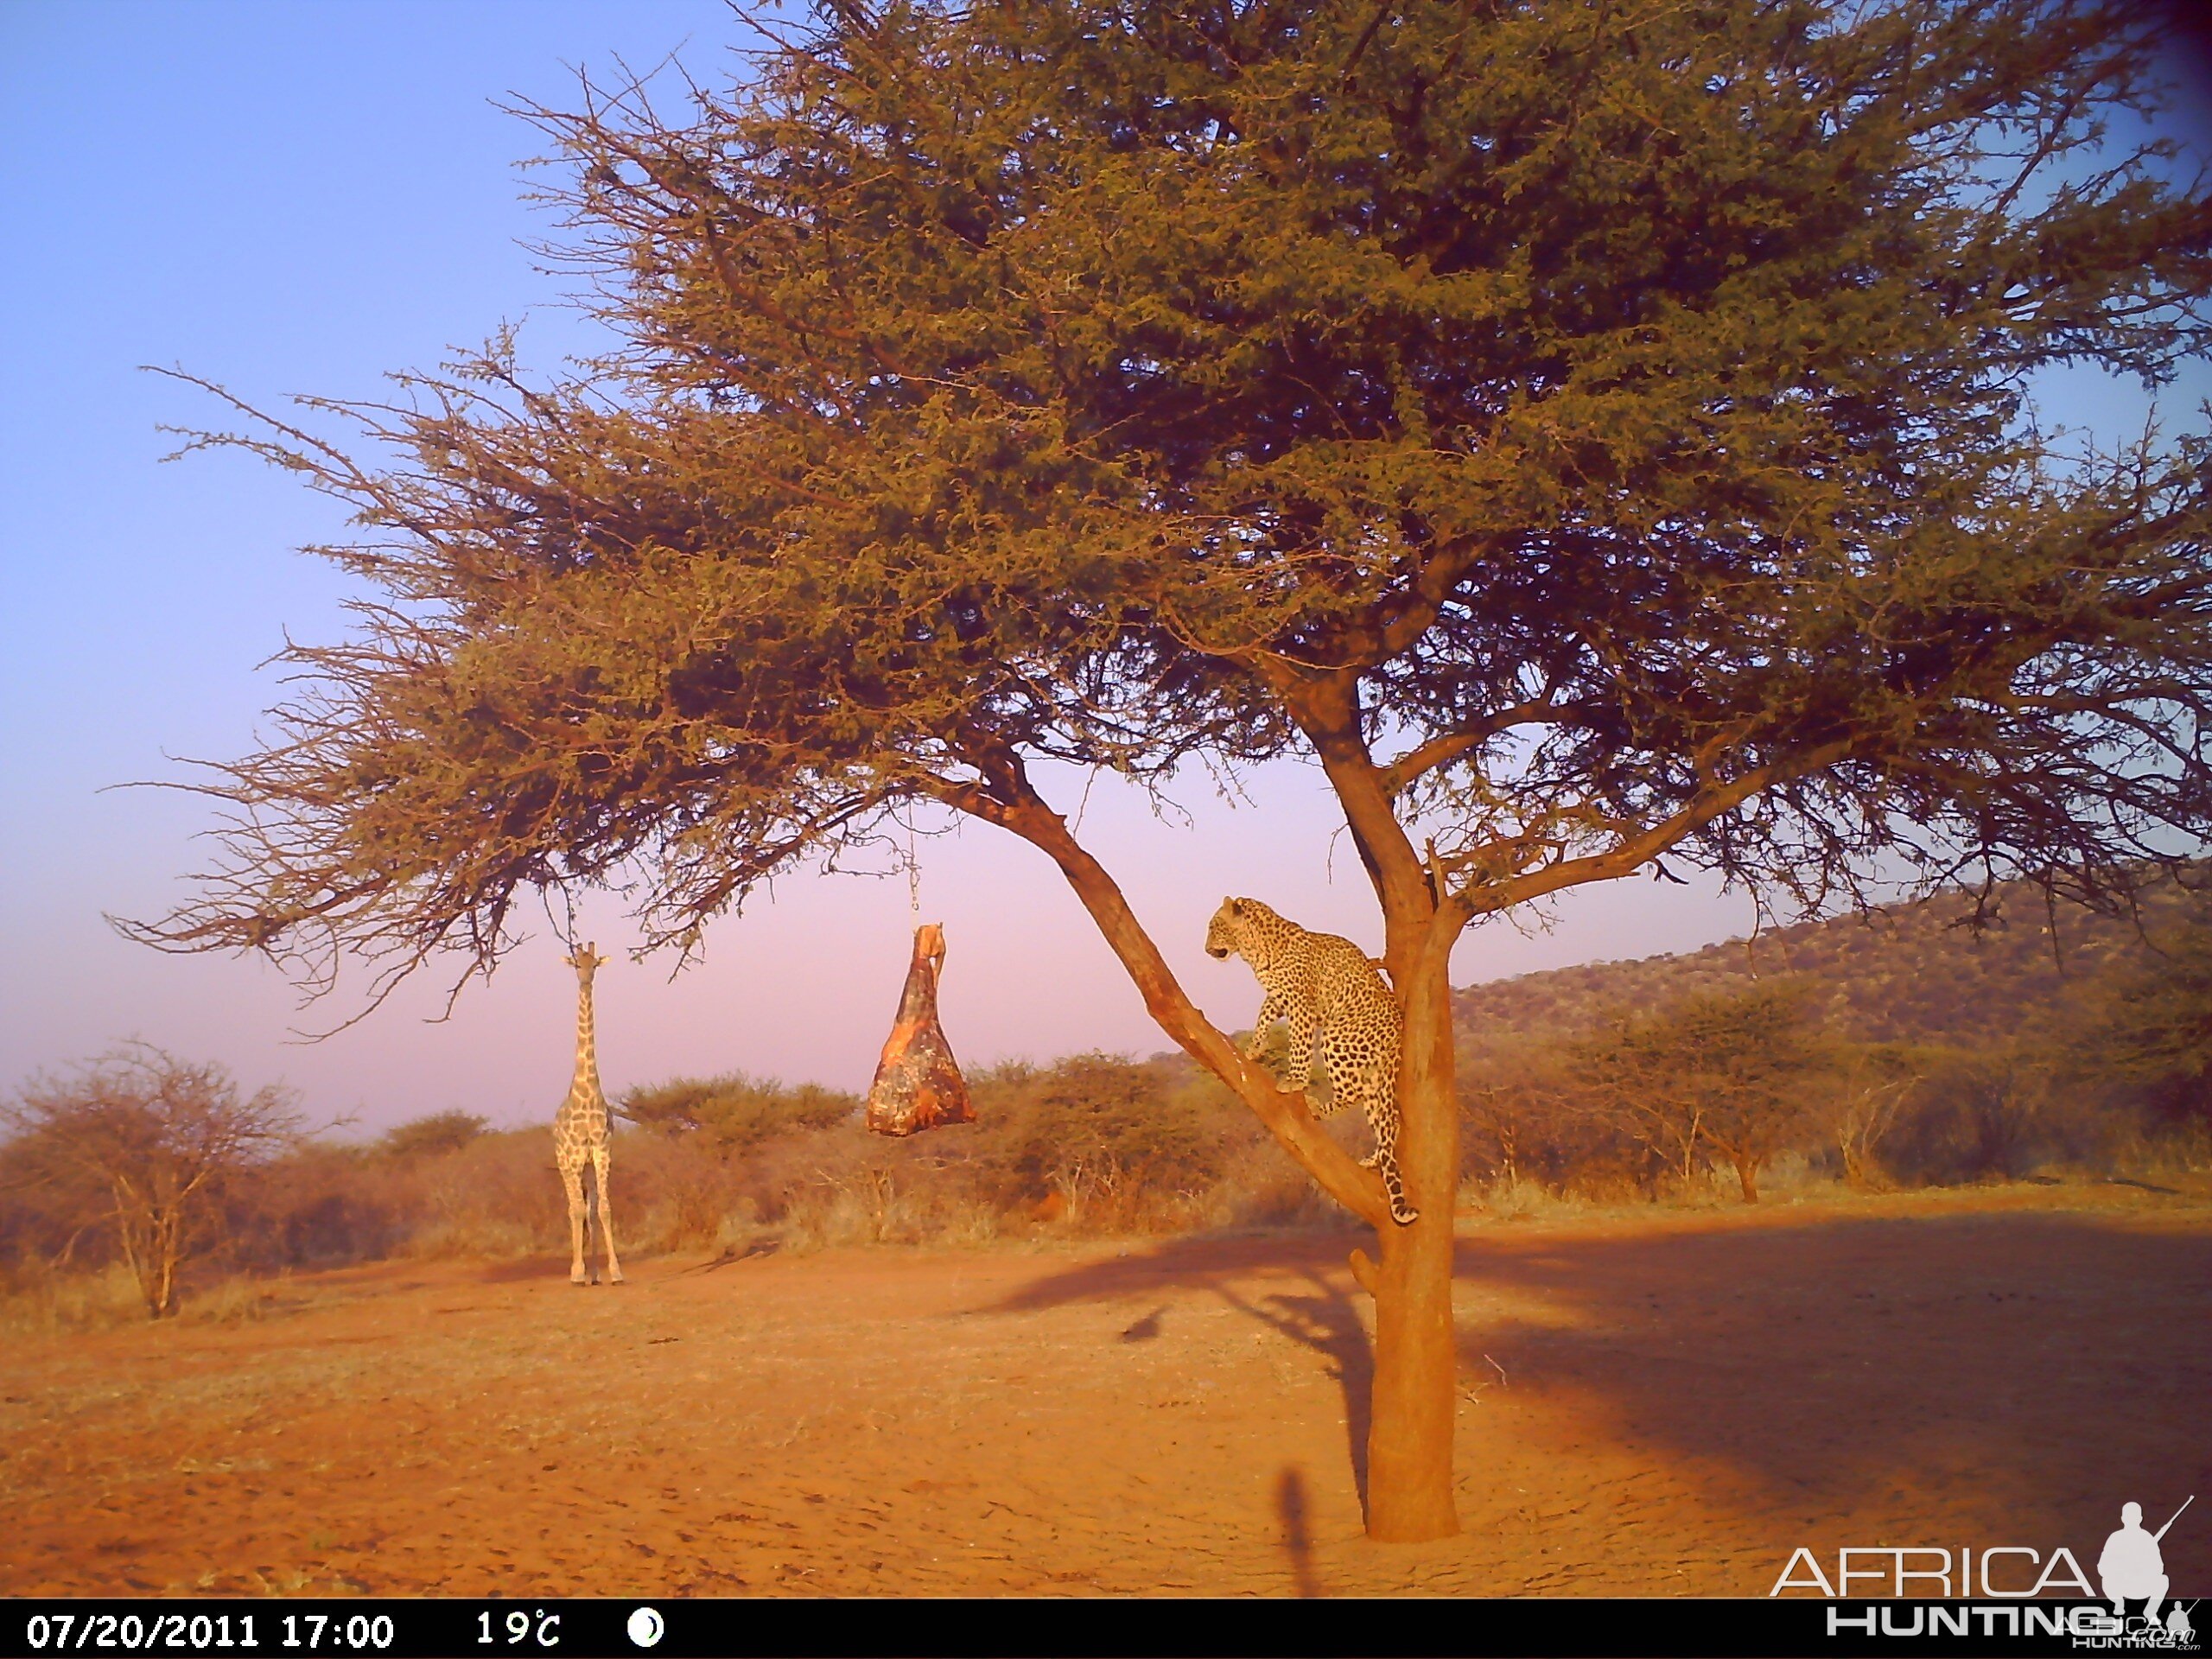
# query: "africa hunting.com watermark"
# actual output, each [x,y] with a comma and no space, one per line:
[1998,1586]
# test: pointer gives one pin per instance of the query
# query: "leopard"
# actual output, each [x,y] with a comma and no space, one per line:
[1328,991]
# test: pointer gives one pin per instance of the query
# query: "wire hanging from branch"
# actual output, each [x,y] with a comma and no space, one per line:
[914,875]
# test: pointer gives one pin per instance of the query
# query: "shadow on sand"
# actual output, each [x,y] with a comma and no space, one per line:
[1297,1534]
[2052,1361]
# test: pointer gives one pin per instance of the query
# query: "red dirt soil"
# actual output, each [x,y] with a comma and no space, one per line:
[1668,1403]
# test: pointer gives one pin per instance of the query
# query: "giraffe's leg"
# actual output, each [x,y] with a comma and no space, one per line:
[599,1159]
[572,1179]
[591,1233]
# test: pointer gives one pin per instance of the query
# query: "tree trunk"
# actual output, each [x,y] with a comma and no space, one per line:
[1416,1373]
[1747,1177]
[167,1255]
[1416,1394]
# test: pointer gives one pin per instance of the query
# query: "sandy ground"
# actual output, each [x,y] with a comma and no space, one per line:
[1667,1404]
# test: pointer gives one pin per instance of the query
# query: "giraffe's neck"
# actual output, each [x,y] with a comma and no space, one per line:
[586,1086]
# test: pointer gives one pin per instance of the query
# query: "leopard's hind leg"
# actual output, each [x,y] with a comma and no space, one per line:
[1355,1075]
[1352,1075]
[1298,1072]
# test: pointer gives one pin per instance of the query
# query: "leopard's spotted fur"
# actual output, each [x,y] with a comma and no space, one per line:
[1327,991]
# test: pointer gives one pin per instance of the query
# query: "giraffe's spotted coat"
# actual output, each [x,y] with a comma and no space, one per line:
[580,1133]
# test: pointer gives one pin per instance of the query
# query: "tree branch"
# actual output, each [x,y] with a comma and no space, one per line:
[1634,851]
[1013,804]
[1417,763]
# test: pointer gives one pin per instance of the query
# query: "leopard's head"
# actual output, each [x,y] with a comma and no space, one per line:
[1225,933]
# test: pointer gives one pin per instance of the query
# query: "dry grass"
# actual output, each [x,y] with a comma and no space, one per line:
[44,1302]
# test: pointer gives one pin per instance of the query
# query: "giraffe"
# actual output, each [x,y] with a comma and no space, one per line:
[580,1132]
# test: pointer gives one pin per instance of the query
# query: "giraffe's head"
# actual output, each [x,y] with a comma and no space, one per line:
[585,959]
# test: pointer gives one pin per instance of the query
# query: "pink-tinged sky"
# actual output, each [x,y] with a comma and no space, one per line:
[290,198]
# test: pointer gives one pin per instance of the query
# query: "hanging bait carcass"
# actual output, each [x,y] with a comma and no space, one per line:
[918,1083]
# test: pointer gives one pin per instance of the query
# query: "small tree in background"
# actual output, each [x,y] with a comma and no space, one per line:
[1099,1131]
[151,1142]
[431,1136]
[1518,1098]
[732,1112]
[1997,1096]
[1868,1086]
[1726,1072]
[1593,436]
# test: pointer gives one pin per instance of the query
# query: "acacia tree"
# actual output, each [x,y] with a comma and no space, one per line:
[1871,1083]
[1594,435]
[151,1144]
[1726,1072]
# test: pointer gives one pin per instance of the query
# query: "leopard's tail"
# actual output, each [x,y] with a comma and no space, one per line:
[1387,1166]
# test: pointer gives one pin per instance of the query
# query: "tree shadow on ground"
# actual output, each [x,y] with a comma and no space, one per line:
[1324,1318]
[1317,1311]
[2046,1366]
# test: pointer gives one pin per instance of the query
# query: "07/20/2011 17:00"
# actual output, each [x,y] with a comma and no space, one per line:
[170,1632]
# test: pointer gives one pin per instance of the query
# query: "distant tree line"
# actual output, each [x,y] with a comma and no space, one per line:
[146,1160]
[164,1168]
[1733,1074]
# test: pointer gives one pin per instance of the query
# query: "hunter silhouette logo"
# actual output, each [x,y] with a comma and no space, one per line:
[2132,1568]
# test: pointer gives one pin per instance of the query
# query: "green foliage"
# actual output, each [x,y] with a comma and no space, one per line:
[1624,413]
[734,1111]
[439,1132]
[1730,1073]
[1103,1131]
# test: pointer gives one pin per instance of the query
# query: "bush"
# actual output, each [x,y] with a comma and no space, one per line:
[735,1111]
[150,1150]
[1110,1139]
[427,1137]
[1533,1116]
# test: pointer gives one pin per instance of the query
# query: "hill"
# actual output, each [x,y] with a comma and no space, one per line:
[1910,972]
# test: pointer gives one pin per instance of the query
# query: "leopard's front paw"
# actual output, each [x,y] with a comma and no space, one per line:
[1371,1159]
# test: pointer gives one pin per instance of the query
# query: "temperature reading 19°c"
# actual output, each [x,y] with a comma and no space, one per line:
[543,1629]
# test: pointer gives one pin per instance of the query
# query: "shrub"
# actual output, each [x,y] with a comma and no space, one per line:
[150,1148]
[733,1110]
[427,1137]
[1103,1133]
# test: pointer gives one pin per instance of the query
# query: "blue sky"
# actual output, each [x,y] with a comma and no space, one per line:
[299,198]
